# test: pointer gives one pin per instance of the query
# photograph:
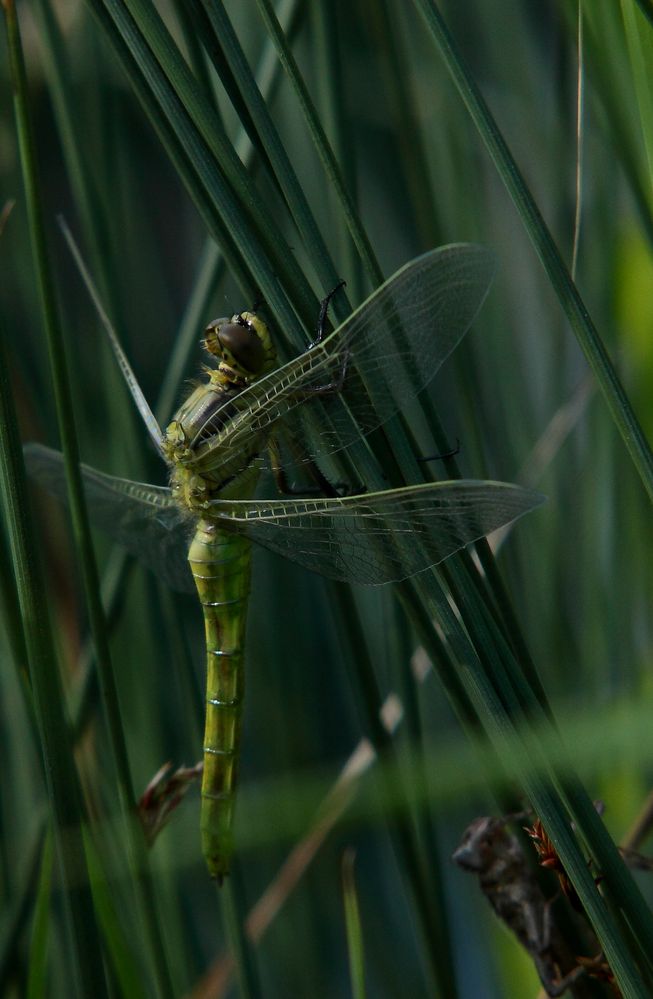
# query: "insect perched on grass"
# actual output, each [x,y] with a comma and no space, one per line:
[355,379]
[489,850]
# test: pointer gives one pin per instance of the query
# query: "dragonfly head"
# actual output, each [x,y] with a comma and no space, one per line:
[243,346]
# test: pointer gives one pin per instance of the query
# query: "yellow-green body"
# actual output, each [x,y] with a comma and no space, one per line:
[220,564]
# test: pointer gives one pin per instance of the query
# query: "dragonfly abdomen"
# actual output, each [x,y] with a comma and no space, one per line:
[220,564]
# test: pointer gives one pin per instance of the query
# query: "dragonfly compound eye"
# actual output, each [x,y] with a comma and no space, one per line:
[240,342]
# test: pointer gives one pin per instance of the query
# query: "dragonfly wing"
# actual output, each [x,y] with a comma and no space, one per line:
[141,517]
[384,353]
[380,537]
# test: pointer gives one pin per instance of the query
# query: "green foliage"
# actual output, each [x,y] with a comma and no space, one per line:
[207,158]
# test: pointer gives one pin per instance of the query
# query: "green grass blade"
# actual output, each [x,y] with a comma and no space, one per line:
[605,52]
[189,156]
[517,692]
[423,817]
[92,211]
[123,960]
[400,827]
[40,926]
[638,36]
[234,59]
[353,927]
[18,909]
[646,8]
[212,263]
[329,98]
[233,910]
[197,126]
[329,163]
[192,36]
[56,744]
[502,717]
[60,379]
[568,295]
[411,142]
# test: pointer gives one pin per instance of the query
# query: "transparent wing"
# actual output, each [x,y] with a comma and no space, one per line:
[386,352]
[141,517]
[371,539]
[379,537]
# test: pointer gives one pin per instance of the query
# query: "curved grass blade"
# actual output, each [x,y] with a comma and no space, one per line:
[242,207]
[573,305]
[141,403]
[353,925]
[239,79]
[63,788]
[322,145]
[40,928]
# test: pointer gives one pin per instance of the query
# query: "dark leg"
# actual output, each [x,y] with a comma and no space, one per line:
[329,387]
[323,486]
[322,318]
[446,454]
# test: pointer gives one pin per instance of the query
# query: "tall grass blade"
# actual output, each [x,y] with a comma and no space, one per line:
[40,928]
[573,305]
[60,379]
[353,927]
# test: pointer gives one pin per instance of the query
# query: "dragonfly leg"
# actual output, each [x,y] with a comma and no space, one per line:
[323,486]
[322,318]
[451,453]
[329,388]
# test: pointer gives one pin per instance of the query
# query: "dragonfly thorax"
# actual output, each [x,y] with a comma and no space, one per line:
[201,469]
[190,490]
[175,443]
[243,346]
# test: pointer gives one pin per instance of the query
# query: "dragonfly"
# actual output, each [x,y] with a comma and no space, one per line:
[344,386]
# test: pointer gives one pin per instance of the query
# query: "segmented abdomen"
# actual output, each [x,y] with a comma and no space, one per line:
[220,564]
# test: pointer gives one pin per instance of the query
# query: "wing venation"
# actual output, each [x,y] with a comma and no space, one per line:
[380,537]
[143,518]
[384,353]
